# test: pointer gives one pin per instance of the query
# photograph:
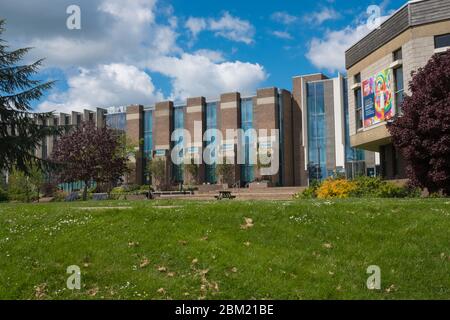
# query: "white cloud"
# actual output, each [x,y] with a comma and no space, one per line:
[227,26]
[233,28]
[106,85]
[329,52]
[196,25]
[321,16]
[135,11]
[195,75]
[283,17]
[282,35]
[213,55]
[118,41]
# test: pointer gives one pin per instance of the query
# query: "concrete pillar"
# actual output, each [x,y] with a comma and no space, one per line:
[195,112]
[162,130]
[135,134]
[229,117]
[266,116]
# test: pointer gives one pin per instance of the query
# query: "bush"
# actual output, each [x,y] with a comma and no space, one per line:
[391,190]
[132,187]
[336,188]
[48,189]
[367,186]
[360,187]
[3,195]
[308,193]
[118,190]
[145,187]
[60,196]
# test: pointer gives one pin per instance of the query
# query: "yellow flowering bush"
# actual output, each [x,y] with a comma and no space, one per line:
[336,188]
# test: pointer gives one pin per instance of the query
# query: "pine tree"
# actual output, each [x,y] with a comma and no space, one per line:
[21,131]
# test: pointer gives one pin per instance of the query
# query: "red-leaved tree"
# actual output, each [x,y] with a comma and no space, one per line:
[422,132]
[90,154]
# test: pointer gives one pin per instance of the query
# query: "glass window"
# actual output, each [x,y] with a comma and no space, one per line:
[246,124]
[148,133]
[316,131]
[398,54]
[357,78]
[178,123]
[358,108]
[211,123]
[399,89]
[442,41]
[117,121]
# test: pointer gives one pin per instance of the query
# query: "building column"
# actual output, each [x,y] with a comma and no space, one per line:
[229,117]
[195,114]
[285,105]
[266,116]
[162,130]
[135,134]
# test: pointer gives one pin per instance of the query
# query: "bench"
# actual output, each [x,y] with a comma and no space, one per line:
[224,195]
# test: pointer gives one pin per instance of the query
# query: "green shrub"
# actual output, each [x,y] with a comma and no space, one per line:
[145,187]
[132,187]
[310,192]
[367,186]
[59,196]
[118,190]
[3,195]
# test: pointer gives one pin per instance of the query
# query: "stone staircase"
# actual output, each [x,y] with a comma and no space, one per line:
[276,193]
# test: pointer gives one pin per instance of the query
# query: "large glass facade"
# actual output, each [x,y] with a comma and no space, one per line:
[354,158]
[247,173]
[211,139]
[178,123]
[117,120]
[316,131]
[148,133]
[148,141]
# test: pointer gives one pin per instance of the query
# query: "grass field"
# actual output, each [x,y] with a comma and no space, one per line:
[206,250]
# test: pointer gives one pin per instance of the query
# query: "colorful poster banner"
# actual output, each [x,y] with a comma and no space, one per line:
[378,99]
[368,101]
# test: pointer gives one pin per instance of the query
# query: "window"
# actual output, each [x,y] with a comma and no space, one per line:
[357,78]
[398,54]
[247,124]
[117,121]
[178,123]
[211,123]
[399,89]
[442,41]
[358,108]
[317,131]
[148,133]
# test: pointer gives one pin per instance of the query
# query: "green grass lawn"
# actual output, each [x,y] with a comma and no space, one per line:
[189,250]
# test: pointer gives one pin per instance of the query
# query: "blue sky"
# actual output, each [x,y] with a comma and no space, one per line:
[142,51]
